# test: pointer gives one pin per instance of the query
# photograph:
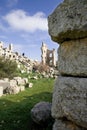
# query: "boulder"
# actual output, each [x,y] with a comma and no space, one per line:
[68,21]
[41,112]
[22,88]
[30,85]
[70,100]
[12,90]
[13,83]
[4,84]
[20,82]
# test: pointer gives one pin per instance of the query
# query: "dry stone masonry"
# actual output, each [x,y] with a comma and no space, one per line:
[68,27]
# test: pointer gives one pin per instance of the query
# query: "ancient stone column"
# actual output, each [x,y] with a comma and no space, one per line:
[68,27]
[44,53]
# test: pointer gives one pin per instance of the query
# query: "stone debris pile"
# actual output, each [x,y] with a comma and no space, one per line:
[21,60]
[14,86]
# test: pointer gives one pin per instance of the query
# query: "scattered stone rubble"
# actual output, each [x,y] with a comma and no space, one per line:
[68,26]
[14,86]
[27,65]
[18,84]
[20,59]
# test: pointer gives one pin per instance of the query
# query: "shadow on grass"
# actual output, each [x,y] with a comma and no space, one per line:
[16,115]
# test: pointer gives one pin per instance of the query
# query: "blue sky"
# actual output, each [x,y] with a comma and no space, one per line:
[24,24]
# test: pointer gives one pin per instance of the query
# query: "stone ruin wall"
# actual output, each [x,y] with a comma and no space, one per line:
[20,59]
[68,27]
[8,52]
[48,56]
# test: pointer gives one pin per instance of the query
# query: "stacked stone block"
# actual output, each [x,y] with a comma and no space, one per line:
[68,27]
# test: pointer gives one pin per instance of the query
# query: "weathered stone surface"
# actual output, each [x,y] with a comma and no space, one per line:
[1,91]
[4,84]
[68,26]
[20,82]
[30,85]
[65,125]
[13,83]
[12,90]
[22,88]
[68,21]
[72,58]
[6,79]
[41,112]
[70,100]
[25,80]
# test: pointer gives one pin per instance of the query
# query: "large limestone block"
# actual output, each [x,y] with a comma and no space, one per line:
[13,83]
[22,88]
[4,84]
[1,91]
[12,90]
[73,58]
[70,100]
[68,21]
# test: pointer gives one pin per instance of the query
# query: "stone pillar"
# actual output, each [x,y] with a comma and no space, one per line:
[53,59]
[44,53]
[68,27]
[11,47]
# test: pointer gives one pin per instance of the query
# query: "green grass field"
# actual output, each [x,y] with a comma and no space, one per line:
[15,109]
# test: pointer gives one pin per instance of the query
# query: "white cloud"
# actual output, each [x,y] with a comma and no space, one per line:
[21,21]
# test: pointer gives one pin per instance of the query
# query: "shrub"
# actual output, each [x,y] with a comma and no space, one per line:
[8,68]
[41,68]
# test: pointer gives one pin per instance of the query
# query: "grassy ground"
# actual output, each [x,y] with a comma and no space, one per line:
[15,109]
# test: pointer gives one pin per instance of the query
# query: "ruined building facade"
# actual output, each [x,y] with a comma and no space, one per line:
[20,59]
[7,52]
[48,56]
